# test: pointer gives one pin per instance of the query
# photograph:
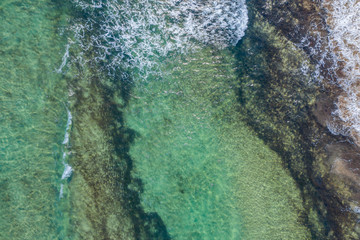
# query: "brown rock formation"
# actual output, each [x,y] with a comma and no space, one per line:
[330,160]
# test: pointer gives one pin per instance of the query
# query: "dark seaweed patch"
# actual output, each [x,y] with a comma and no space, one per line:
[277,102]
[108,115]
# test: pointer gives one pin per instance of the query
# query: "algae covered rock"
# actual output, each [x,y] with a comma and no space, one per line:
[280,92]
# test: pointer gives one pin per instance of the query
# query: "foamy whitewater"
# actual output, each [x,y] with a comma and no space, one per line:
[68,124]
[138,34]
[344,37]
[64,59]
[67,171]
[67,168]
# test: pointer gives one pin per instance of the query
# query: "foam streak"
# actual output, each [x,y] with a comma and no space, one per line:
[344,35]
[138,34]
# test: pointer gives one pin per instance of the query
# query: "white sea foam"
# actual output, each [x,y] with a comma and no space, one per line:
[139,33]
[67,171]
[64,58]
[315,44]
[336,129]
[68,124]
[61,194]
[356,209]
[67,168]
[344,38]
[66,138]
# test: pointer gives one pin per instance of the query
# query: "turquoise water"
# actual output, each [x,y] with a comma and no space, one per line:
[33,119]
[203,170]
[121,120]
[180,156]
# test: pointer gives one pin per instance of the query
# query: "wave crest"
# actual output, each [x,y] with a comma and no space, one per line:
[344,41]
[140,33]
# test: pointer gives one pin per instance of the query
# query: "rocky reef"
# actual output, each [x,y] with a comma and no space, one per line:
[288,91]
[104,197]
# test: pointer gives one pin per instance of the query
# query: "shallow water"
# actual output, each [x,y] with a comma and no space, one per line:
[123,120]
[203,170]
[33,120]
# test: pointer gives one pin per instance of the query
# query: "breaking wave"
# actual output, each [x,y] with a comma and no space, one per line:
[140,33]
[67,168]
[343,20]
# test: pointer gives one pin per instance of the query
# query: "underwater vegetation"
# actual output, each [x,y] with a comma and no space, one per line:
[179,119]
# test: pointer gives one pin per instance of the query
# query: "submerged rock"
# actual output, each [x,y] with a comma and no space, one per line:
[287,91]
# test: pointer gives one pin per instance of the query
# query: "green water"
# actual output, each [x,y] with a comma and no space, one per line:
[203,170]
[166,155]
[32,119]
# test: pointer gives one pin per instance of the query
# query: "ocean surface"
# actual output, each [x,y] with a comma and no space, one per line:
[164,119]
[33,120]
